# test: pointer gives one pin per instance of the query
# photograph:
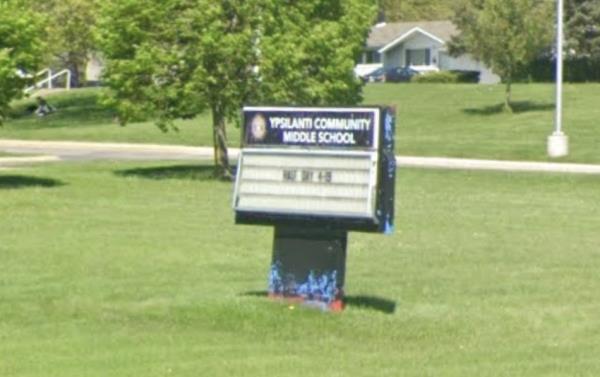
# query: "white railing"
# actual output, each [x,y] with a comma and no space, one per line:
[47,82]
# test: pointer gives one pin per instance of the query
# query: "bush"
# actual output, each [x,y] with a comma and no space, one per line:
[467,76]
[436,77]
[576,69]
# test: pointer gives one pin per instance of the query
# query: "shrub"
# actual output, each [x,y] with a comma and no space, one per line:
[467,76]
[436,77]
[576,69]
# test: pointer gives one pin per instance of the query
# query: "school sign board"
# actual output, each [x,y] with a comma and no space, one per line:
[333,167]
[314,174]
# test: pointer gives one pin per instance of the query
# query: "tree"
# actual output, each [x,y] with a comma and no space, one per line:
[69,32]
[417,10]
[176,58]
[21,49]
[505,34]
[308,50]
[583,28]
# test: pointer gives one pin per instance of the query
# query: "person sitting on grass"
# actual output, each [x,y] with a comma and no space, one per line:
[43,107]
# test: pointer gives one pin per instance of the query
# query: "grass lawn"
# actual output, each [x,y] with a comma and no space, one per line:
[467,121]
[81,117]
[433,120]
[113,269]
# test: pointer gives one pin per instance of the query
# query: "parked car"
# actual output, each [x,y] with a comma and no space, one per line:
[400,74]
[395,74]
[377,75]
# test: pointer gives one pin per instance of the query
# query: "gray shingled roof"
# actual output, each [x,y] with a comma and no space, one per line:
[382,35]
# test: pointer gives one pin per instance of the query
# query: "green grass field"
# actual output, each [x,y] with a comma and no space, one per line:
[467,121]
[433,120]
[81,117]
[122,269]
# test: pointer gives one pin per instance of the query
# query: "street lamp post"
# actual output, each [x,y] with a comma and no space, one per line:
[558,142]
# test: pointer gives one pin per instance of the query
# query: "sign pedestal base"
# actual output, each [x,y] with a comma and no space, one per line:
[309,266]
[558,145]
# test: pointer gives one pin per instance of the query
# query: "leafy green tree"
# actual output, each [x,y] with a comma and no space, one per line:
[308,50]
[69,33]
[168,59]
[417,10]
[21,50]
[582,28]
[176,58]
[505,34]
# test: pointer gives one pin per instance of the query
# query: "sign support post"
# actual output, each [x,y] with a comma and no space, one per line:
[309,263]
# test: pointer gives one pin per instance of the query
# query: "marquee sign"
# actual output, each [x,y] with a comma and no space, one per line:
[325,128]
[331,166]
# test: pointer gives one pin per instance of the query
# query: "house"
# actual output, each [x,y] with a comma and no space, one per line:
[418,45]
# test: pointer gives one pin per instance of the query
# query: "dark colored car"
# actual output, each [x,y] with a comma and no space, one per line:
[377,75]
[400,74]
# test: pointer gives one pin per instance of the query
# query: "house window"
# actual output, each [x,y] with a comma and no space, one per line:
[372,57]
[418,57]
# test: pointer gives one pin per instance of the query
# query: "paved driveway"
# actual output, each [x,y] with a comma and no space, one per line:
[53,151]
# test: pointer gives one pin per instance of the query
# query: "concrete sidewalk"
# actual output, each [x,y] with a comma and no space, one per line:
[81,151]
[53,151]
[497,165]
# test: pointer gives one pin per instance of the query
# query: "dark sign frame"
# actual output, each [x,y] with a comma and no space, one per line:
[340,131]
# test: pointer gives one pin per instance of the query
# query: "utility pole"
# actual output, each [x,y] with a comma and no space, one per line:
[558,142]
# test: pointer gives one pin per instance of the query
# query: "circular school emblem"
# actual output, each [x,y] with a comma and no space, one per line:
[258,128]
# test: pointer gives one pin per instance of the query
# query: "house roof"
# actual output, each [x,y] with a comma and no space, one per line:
[384,35]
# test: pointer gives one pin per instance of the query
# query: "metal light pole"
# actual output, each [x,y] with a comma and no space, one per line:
[558,142]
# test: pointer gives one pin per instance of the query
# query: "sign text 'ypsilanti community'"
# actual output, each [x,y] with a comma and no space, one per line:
[351,128]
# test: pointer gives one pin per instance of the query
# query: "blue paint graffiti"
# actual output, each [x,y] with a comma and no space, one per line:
[391,167]
[389,131]
[317,287]
[275,279]
[389,227]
